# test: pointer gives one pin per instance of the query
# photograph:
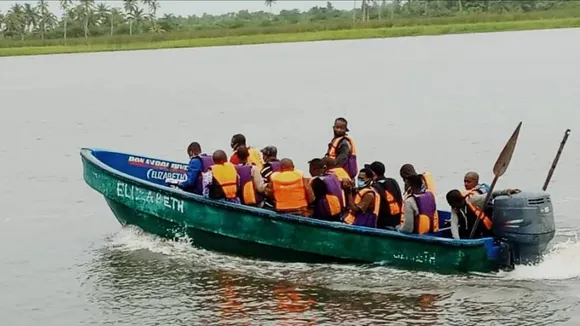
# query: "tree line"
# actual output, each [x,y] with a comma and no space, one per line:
[86,18]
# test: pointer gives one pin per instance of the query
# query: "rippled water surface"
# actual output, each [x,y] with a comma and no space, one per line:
[446,104]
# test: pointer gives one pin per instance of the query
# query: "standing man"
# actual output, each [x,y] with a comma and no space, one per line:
[342,148]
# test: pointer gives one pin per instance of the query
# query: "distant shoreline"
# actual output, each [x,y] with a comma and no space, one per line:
[346,34]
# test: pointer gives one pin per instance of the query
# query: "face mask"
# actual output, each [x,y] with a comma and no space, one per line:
[361,184]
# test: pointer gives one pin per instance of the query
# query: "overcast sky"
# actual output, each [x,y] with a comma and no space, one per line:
[198,7]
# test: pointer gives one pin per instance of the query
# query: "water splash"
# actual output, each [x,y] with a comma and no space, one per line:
[562,262]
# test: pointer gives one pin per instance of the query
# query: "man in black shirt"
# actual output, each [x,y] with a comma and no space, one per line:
[391,197]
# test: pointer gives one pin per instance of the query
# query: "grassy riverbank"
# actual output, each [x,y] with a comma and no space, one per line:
[344,34]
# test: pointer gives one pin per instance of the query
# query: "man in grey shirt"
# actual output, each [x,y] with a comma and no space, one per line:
[465,209]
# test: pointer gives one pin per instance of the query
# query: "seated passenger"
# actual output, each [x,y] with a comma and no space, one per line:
[466,207]
[471,182]
[364,209]
[391,197]
[408,170]
[419,209]
[340,172]
[290,191]
[251,183]
[328,195]
[271,162]
[198,163]
[221,181]
[239,140]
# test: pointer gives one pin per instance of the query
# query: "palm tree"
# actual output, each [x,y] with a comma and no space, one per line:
[86,10]
[44,16]
[115,16]
[130,6]
[103,13]
[65,5]
[30,17]
[16,20]
[269,3]
[137,16]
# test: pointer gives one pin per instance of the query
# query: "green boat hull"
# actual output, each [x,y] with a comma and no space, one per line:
[262,234]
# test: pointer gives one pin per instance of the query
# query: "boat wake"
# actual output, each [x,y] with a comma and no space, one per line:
[562,262]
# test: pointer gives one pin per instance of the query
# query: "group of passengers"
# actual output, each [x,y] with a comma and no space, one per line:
[337,190]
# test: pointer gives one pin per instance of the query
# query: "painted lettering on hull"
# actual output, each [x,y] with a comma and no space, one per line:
[155,164]
[131,192]
[163,175]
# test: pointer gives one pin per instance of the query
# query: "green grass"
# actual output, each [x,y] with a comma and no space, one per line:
[365,33]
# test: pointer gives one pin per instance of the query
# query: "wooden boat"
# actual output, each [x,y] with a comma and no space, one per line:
[134,189]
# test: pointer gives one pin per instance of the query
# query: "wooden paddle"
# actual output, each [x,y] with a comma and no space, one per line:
[553,167]
[499,169]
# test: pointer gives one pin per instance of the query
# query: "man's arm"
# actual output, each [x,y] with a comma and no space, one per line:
[410,210]
[193,171]
[343,152]
[259,183]
[309,191]
[479,199]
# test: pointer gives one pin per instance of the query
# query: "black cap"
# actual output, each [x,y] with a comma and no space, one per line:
[377,167]
[270,151]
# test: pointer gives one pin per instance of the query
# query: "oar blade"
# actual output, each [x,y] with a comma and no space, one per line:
[506,154]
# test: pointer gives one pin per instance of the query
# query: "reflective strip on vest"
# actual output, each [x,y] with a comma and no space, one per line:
[289,191]
[226,176]
[351,217]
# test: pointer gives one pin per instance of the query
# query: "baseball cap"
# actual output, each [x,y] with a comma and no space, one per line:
[270,151]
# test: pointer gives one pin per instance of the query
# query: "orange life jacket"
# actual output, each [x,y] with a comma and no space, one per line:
[351,217]
[394,206]
[289,191]
[340,173]
[423,223]
[487,222]
[351,165]
[226,177]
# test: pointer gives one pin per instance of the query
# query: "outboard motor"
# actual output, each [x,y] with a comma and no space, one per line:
[526,222]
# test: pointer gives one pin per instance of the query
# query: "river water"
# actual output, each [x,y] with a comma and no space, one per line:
[446,104]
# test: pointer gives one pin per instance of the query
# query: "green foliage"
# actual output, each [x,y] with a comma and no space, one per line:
[87,22]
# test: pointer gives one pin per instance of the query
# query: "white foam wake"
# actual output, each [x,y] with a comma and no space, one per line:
[562,262]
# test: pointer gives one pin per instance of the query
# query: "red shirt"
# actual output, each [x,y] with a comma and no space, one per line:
[234,159]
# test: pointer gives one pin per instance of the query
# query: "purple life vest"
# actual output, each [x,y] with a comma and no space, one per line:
[332,204]
[247,191]
[427,207]
[206,162]
[275,166]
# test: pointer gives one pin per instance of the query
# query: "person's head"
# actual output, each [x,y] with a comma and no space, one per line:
[455,199]
[407,170]
[219,157]
[471,180]
[377,167]
[415,182]
[316,167]
[340,127]
[286,164]
[269,153]
[243,153]
[194,149]
[237,140]
[364,178]
[329,162]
